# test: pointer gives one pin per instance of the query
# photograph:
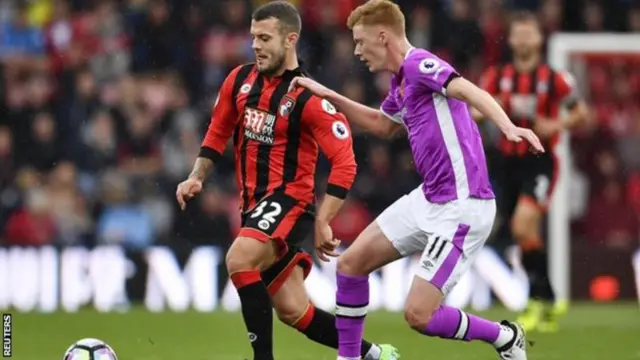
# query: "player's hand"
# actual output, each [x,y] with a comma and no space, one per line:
[326,245]
[518,134]
[315,87]
[187,190]
[546,128]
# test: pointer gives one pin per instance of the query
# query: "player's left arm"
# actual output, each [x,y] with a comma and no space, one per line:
[437,76]
[331,130]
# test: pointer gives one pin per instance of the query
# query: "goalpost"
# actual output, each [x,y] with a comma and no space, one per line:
[561,47]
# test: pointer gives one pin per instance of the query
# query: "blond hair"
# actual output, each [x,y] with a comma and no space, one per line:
[378,12]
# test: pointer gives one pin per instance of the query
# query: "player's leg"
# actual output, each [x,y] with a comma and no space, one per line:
[259,245]
[385,240]
[425,313]
[457,231]
[526,228]
[245,259]
[293,307]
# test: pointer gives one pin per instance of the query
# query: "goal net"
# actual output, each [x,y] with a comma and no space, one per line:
[598,166]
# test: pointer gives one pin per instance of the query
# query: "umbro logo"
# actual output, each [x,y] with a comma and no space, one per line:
[427,264]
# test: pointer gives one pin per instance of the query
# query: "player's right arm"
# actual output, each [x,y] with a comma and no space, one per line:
[223,120]
[365,117]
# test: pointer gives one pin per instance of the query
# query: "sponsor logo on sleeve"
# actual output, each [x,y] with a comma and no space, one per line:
[340,130]
[328,107]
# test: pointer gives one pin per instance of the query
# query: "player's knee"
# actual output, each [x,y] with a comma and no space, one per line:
[348,264]
[289,314]
[248,254]
[417,317]
[237,261]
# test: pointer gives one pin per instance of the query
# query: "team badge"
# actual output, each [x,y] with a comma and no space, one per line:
[340,130]
[286,106]
[245,88]
[328,107]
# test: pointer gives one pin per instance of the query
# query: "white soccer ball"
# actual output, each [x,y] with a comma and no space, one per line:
[90,349]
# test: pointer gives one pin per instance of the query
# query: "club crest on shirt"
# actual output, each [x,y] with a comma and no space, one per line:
[245,88]
[340,130]
[286,106]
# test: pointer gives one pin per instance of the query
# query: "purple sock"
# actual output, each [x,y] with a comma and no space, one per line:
[352,299]
[452,323]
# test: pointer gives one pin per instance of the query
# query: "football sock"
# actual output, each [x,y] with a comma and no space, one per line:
[320,326]
[256,312]
[536,263]
[352,299]
[451,323]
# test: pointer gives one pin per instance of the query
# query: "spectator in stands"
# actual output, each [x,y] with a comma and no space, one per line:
[139,154]
[33,225]
[99,145]
[71,217]
[109,53]
[156,42]
[122,222]
[42,153]
[180,146]
[22,46]
[7,158]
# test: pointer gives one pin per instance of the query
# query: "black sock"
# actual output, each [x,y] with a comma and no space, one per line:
[256,312]
[536,263]
[320,326]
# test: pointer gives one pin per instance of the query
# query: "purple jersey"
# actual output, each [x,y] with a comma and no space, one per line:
[445,141]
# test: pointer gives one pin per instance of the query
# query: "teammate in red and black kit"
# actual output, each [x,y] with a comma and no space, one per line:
[532,93]
[277,136]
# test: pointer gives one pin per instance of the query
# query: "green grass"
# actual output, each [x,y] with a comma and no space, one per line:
[589,332]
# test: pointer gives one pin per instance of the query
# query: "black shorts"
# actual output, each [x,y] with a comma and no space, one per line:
[531,178]
[287,222]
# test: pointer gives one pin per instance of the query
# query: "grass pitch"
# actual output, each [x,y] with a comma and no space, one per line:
[588,332]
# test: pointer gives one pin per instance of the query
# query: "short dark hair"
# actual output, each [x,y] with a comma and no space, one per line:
[525,17]
[284,11]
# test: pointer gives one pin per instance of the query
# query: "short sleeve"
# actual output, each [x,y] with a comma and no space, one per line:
[430,73]
[566,87]
[332,133]
[391,107]
[223,120]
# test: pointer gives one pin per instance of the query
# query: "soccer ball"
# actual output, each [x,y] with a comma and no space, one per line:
[90,349]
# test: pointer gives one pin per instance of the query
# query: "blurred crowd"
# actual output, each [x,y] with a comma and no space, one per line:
[104,104]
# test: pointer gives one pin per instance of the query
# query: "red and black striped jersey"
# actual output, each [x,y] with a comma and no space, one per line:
[528,96]
[277,136]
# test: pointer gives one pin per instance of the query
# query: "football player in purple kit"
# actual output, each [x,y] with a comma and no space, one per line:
[449,217]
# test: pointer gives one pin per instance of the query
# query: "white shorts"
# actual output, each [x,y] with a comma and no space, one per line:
[448,235]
